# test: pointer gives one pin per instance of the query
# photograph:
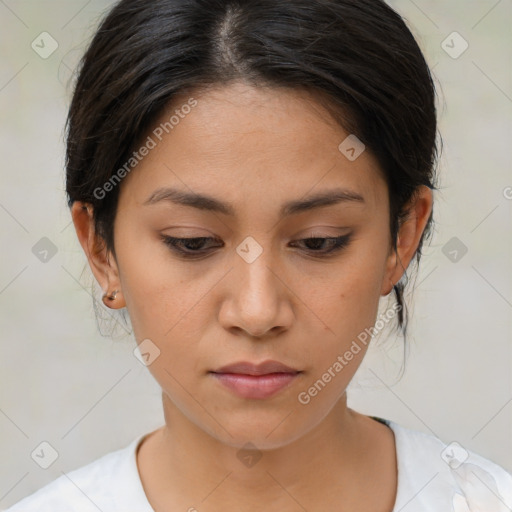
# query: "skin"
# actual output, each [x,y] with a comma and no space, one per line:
[256,148]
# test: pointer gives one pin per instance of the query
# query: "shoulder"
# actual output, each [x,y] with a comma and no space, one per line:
[92,487]
[433,475]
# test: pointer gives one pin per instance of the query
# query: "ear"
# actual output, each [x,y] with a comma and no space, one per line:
[409,235]
[101,261]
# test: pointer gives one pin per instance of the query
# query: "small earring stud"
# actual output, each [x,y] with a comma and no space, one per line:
[111,297]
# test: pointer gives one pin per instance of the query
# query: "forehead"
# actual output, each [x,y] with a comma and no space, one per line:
[239,141]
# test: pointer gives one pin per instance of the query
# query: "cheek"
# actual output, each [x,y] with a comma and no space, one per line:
[154,288]
[349,303]
[346,305]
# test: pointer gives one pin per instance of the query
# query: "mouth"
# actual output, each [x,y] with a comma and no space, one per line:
[256,381]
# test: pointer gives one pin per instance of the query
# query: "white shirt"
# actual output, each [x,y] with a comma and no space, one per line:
[432,477]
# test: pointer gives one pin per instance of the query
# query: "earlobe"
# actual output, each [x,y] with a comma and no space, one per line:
[388,283]
[391,286]
[102,265]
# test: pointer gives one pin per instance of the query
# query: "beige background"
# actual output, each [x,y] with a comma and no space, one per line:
[62,382]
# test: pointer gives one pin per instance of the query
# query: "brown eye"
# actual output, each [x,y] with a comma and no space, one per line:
[191,247]
[325,245]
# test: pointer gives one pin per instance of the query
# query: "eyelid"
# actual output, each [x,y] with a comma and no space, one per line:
[319,233]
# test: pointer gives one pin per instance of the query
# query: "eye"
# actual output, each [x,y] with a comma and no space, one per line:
[195,247]
[317,245]
[188,247]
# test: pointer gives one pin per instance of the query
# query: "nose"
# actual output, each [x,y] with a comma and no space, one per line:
[257,300]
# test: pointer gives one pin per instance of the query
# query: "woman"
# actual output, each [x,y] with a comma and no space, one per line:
[248,179]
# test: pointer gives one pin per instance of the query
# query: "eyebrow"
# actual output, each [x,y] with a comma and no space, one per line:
[209,203]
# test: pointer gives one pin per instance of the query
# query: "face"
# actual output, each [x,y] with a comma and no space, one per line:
[290,254]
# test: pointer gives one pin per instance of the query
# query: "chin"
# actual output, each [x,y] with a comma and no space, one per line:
[266,431]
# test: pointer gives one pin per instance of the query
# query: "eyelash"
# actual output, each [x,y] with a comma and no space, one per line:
[175,244]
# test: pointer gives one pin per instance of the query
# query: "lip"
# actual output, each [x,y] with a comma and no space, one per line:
[263,368]
[256,381]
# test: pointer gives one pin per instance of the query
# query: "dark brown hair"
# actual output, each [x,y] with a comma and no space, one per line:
[357,56]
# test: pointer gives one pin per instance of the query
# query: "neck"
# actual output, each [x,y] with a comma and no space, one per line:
[190,468]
